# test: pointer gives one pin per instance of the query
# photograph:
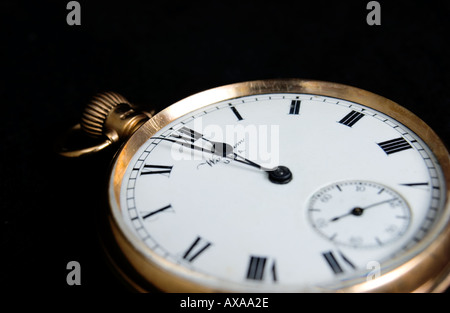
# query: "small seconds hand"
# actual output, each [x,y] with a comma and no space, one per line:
[357,211]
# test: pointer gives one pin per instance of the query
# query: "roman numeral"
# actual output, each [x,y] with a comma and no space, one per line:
[235,111]
[167,207]
[188,134]
[351,118]
[149,169]
[195,249]
[256,268]
[394,145]
[415,184]
[333,262]
[423,186]
[295,107]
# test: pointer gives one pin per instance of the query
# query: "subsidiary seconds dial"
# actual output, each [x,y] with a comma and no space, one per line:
[359,214]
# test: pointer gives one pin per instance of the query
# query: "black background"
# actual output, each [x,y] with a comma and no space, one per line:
[156,53]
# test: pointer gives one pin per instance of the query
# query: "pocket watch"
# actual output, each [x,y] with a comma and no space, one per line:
[283,185]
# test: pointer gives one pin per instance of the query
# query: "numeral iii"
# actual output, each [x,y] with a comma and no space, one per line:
[394,145]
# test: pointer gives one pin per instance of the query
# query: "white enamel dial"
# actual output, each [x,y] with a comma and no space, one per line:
[219,218]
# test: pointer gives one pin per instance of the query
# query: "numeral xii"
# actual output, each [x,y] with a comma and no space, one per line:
[294,109]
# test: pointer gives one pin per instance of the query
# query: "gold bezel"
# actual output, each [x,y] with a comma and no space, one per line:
[424,268]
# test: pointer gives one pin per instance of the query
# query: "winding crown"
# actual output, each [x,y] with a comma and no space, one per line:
[98,110]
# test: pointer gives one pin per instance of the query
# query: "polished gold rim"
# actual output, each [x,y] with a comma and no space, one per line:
[423,269]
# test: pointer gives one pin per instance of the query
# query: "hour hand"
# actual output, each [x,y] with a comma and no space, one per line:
[189,136]
[221,149]
[277,175]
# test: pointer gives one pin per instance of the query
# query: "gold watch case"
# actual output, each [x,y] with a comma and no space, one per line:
[424,268]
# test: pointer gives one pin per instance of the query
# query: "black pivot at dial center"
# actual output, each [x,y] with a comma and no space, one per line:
[281,175]
[357,211]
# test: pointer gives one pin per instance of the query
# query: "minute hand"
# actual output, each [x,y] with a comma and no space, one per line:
[221,149]
[243,160]
[185,144]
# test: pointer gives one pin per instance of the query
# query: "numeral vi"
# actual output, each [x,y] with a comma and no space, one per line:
[258,266]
